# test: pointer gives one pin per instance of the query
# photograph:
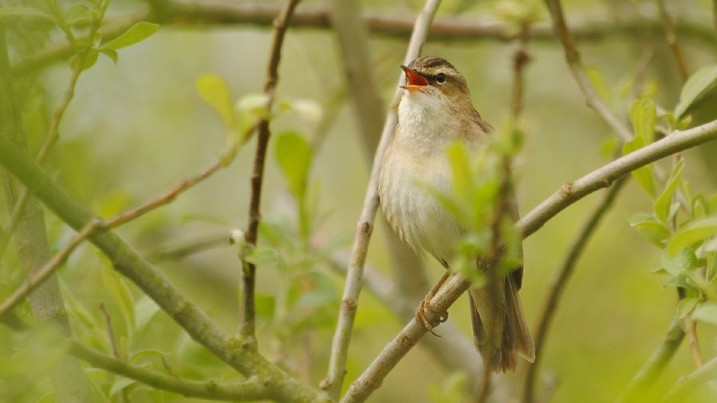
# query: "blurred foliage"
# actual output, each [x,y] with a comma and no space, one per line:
[156,109]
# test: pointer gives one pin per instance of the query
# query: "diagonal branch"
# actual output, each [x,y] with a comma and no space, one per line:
[352,287]
[152,282]
[573,58]
[609,173]
[602,177]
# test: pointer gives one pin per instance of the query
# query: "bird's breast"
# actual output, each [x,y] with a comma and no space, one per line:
[409,174]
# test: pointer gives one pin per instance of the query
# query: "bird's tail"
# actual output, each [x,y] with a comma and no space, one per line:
[499,328]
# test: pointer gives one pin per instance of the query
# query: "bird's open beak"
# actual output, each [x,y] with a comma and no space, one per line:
[414,81]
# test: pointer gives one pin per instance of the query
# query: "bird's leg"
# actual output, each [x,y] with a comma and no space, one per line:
[425,306]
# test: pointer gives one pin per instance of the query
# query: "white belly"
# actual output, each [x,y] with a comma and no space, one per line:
[411,209]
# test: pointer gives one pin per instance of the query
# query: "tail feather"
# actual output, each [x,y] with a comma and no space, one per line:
[500,330]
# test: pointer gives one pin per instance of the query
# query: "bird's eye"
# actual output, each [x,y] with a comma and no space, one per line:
[441,78]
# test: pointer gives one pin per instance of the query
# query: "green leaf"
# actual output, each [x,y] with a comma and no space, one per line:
[261,256]
[598,81]
[117,288]
[643,115]
[695,87]
[144,311]
[706,312]
[294,154]
[460,168]
[215,92]
[685,306]
[77,14]
[685,261]
[88,61]
[265,305]
[664,200]
[137,33]
[695,232]
[652,229]
[111,53]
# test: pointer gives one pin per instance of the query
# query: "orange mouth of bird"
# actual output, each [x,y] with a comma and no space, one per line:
[414,80]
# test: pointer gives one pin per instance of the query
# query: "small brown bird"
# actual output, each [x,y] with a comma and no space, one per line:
[435,112]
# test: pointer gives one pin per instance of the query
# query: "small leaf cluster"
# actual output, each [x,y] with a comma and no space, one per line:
[682,223]
[80,24]
[482,200]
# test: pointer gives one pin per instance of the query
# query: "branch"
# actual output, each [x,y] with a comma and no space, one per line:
[655,364]
[43,273]
[688,383]
[153,283]
[369,111]
[573,58]
[449,29]
[250,389]
[31,240]
[529,224]
[608,174]
[453,349]
[672,40]
[392,353]
[247,326]
[352,287]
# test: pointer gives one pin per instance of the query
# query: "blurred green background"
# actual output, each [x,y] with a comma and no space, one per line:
[138,127]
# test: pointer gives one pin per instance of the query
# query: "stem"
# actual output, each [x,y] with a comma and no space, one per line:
[573,58]
[672,40]
[652,368]
[247,326]
[31,240]
[364,228]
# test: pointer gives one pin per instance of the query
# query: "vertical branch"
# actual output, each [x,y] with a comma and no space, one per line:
[410,273]
[573,58]
[558,283]
[364,228]
[31,241]
[246,329]
[672,40]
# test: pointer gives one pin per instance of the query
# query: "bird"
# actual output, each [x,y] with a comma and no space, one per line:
[434,112]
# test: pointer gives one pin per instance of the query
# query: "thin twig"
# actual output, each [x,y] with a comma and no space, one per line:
[655,364]
[39,276]
[110,330]
[445,28]
[557,286]
[247,326]
[409,269]
[166,198]
[573,58]
[364,228]
[672,40]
